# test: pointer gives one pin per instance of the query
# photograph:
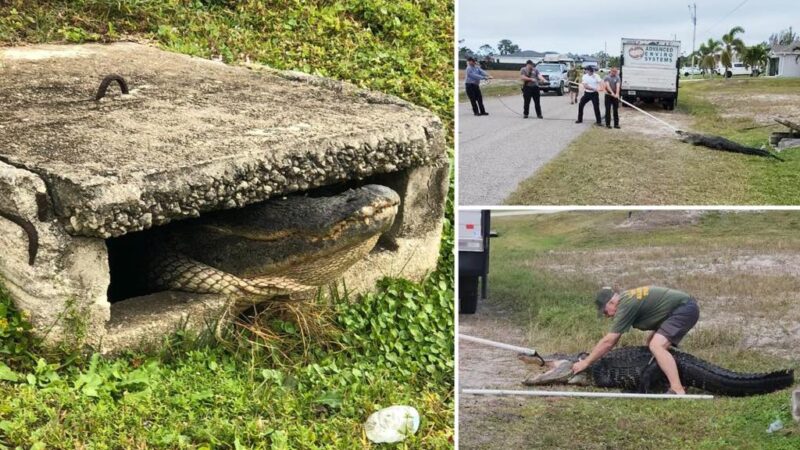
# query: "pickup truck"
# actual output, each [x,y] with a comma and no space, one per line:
[556,76]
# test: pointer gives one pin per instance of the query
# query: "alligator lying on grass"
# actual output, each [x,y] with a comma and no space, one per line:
[634,369]
[720,143]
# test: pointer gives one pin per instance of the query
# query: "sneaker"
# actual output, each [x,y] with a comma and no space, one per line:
[524,116]
[578,121]
[475,114]
[598,124]
[616,126]
[485,114]
[608,126]
[539,117]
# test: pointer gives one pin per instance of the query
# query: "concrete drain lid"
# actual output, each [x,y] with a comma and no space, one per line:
[190,136]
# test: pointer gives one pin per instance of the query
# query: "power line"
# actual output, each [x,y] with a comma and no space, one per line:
[726,16]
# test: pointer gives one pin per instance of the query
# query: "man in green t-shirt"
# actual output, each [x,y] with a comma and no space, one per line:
[667,313]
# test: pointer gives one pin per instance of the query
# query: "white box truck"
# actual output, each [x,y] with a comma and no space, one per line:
[649,71]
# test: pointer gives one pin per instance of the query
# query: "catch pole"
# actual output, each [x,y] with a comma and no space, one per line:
[505,392]
[513,348]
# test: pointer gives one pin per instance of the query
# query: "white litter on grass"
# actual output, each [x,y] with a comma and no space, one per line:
[392,424]
[775,426]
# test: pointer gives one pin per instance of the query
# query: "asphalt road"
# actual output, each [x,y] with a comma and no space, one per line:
[498,151]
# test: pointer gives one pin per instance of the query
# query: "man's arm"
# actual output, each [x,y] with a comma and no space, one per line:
[649,337]
[604,346]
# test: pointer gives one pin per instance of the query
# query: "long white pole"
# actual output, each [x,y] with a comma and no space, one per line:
[639,109]
[501,392]
[513,348]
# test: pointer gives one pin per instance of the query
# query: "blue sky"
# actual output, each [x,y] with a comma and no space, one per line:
[586,26]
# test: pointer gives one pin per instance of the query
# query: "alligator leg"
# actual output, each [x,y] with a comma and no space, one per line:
[652,379]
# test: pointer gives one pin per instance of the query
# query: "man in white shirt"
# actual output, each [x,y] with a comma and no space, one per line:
[591,86]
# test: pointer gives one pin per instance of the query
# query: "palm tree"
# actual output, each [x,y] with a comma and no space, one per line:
[732,46]
[756,56]
[708,52]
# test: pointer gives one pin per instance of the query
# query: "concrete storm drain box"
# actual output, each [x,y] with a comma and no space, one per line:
[94,184]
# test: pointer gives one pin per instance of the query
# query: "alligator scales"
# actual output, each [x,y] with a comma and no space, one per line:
[633,369]
[280,248]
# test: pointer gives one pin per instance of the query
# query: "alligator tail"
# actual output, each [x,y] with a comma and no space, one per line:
[709,377]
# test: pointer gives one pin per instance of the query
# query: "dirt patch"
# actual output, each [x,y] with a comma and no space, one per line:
[634,122]
[481,366]
[761,108]
[649,220]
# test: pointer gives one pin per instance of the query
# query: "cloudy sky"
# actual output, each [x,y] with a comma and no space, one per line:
[586,26]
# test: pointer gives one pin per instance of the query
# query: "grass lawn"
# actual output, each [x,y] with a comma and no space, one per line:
[394,346]
[545,270]
[644,164]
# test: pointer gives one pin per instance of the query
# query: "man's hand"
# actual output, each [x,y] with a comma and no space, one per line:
[579,366]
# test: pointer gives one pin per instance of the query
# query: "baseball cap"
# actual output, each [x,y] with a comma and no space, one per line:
[603,296]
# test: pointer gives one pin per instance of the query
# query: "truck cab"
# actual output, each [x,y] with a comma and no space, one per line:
[649,71]
[555,75]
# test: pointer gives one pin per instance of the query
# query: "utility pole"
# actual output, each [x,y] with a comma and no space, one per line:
[693,9]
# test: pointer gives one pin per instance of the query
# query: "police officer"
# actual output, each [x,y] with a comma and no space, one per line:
[530,88]
[472,84]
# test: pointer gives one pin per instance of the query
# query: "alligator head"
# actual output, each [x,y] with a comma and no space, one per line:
[559,370]
[278,247]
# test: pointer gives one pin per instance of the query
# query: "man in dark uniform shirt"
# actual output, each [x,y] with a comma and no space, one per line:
[530,88]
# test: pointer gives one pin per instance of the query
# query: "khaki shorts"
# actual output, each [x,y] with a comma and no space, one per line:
[680,321]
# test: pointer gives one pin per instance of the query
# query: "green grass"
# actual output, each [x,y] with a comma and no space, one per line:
[554,309]
[611,168]
[493,90]
[392,346]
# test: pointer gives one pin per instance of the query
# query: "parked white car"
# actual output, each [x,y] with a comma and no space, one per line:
[691,70]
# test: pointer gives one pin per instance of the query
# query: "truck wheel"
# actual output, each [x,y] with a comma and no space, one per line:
[468,295]
[728,74]
[560,90]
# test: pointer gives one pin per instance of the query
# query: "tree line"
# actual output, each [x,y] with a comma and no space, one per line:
[708,56]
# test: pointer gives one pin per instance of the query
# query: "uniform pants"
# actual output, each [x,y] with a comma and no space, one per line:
[612,104]
[528,93]
[593,97]
[475,98]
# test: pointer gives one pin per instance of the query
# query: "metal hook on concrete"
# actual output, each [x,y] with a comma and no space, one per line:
[101,92]
[30,230]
